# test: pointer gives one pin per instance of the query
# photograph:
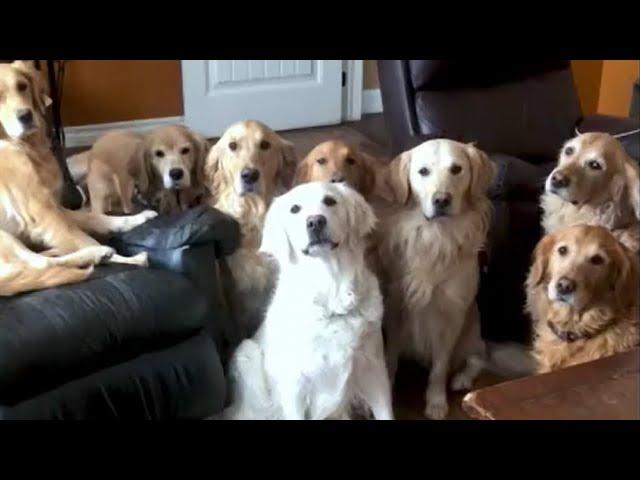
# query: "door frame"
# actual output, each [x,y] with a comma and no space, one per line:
[351,90]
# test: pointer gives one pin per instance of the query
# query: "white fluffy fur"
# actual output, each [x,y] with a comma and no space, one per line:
[430,264]
[320,349]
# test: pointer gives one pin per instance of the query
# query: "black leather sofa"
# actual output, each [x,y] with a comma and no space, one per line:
[520,112]
[129,343]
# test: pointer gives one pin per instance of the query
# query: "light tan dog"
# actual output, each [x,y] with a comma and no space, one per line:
[166,165]
[582,294]
[594,183]
[31,217]
[245,169]
[429,254]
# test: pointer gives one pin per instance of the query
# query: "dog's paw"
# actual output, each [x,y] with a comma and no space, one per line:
[103,254]
[141,259]
[436,408]
[147,215]
[461,381]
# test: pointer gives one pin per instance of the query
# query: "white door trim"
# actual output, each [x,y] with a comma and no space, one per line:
[352,91]
[85,135]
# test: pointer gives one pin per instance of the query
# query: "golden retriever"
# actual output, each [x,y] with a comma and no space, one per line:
[594,183]
[429,254]
[166,165]
[247,167]
[31,217]
[335,161]
[582,294]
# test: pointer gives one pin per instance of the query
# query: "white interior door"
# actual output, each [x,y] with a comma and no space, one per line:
[283,94]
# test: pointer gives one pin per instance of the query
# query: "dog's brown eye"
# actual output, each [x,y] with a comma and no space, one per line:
[563,250]
[159,153]
[185,150]
[424,171]
[594,165]
[569,151]
[350,160]
[597,260]
[264,145]
[455,169]
[321,161]
[22,86]
[295,209]
[329,201]
[233,146]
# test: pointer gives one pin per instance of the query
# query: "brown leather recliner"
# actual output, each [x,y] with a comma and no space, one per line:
[520,112]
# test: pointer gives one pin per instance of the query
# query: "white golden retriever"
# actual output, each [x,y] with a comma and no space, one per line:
[319,351]
[429,257]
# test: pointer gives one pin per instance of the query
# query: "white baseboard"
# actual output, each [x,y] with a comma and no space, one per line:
[86,135]
[371,101]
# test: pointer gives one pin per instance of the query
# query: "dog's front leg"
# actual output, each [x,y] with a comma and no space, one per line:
[443,342]
[372,380]
[291,400]
[100,224]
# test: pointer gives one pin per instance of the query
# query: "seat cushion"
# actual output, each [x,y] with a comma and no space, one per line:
[183,381]
[53,336]
[519,180]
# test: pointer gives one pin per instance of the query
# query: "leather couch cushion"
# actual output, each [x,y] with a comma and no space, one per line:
[529,119]
[449,74]
[56,335]
[183,381]
[518,180]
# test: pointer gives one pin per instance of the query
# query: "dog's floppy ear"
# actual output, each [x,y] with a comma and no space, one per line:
[37,83]
[396,186]
[360,215]
[483,171]
[541,256]
[632,175]
[141,168]
[368,179]
[275,241]
[302,171]
[201,148]
[288,164]
[624,275]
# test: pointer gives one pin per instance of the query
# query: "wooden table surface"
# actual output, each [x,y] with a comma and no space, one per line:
[606,389]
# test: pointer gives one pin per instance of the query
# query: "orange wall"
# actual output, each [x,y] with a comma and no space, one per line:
[100,91]
[616,86]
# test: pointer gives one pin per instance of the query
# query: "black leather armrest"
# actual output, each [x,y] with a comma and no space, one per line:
[167,238]
[625,129]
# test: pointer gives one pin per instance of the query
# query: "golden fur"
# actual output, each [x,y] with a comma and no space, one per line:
[31,218]
[120,161]
[604,304]
[430,263]
[336,161]
[608,196]
[249,145]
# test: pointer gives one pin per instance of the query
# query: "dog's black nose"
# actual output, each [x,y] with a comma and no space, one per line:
[316,223]
[441,200]
[25,116]
[176,173]
[337,178]
[250,175]
[565,286]
[559,180]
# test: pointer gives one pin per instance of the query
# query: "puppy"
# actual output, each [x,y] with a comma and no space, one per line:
[319,351]
[429,254]
[594,183]
[244,170]
[582,294]
[165,165]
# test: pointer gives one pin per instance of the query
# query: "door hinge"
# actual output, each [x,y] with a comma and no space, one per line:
[344,79]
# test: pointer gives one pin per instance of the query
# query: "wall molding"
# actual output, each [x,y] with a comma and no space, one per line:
[352,91]
[86,135]
[371,101]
